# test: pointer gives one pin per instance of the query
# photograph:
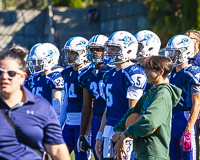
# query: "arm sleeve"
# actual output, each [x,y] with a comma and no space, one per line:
[134,93]
[157,112]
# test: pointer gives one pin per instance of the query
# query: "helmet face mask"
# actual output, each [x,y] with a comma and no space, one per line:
[180,49]
[148,44]
[96,54]
[75,51]
[96,47]
[125,47]
[113,54]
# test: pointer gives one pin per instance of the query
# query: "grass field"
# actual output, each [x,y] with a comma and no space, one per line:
[73,156]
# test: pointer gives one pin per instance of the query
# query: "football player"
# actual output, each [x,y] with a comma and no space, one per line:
[195,36]
[93,91]
[44,82]
[70,118]
[148,45]
[180,49]
[124,85]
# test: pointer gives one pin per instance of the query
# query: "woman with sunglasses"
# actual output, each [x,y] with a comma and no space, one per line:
[28,124]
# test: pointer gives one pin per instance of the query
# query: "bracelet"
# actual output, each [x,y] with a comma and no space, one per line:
[99,135]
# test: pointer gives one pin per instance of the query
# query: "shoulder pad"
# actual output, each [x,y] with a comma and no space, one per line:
[66,71]
[57,69]
[84,68]
[136,76]
[85,76]
[57,79]
[107,73]
[194,73]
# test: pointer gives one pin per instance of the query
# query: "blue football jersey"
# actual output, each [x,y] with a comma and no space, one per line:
[116,85]
[43,85]
[92,80]
[73,89]
[184,79]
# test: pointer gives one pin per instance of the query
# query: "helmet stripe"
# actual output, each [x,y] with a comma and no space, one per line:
[170,41]
[69,41]
[34,47]
[95,38]
[112,35]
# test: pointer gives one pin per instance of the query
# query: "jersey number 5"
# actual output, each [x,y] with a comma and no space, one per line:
[109,96]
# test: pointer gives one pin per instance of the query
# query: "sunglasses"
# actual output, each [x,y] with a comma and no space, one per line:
[11,73]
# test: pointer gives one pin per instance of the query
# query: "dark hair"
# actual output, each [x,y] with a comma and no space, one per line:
[158,63]
[195,32]
[17,56]
[19,51]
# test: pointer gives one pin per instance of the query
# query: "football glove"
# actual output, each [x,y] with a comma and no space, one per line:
[186,141]
[82,144]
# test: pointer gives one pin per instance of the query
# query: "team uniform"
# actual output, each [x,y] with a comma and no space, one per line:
[127,83]
[195,60]
[71,110]
[187,79]
[43,85]
[93,82]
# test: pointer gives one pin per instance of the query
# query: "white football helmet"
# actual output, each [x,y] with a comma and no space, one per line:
[148,44]
[29,58]
[78,45]
[43,56]
[126,42]
[180,49]
[96,42]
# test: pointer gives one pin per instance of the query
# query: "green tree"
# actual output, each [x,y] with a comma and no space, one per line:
[68,3]
[75,3]
[170,17]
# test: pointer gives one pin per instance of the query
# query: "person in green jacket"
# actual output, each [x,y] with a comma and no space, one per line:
[151,134]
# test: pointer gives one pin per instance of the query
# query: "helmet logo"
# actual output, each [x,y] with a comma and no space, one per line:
[185,41]
[50,53]
[148,38]
[127,40]
[82,43]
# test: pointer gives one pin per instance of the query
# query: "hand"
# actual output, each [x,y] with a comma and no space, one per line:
[119,149]
[98,148]
[186,141]
[82,144]
[116,136]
